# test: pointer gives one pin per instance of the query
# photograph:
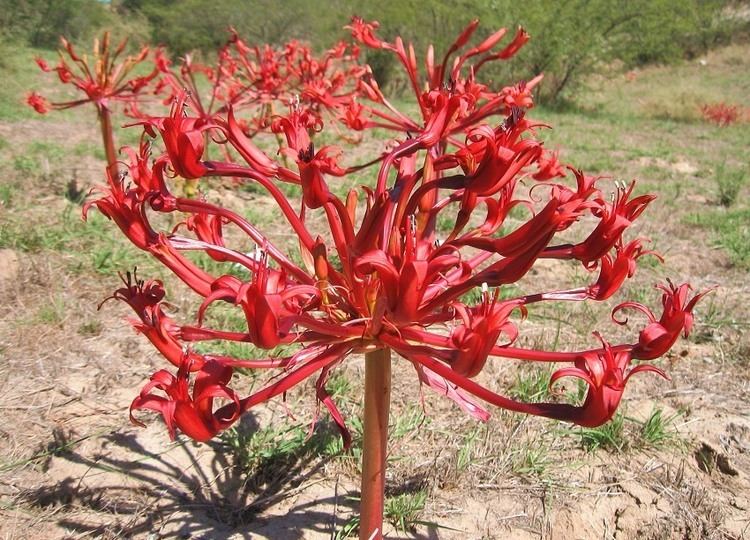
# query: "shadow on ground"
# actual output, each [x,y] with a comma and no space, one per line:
[126,488]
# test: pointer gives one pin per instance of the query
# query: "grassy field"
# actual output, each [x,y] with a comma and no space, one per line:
[674,463]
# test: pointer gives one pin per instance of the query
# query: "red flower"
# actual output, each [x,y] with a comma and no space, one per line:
[549,167]
[387,266]
[479,332]
[39,104]
[184,139]
[105,79]
[270,305]
[606,372]
[312,167]
[614,219]
[145,297]
[721,114]
[677,318]
[192,412]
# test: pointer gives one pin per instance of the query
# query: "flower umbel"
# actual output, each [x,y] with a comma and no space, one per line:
[380,274]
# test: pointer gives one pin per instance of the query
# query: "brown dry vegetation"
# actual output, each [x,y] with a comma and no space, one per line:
[674,464]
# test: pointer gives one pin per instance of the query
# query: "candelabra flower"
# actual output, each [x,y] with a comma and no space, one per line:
[378,276]
[103,82]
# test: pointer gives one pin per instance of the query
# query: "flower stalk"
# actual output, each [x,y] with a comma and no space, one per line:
[375,442]
[108,140]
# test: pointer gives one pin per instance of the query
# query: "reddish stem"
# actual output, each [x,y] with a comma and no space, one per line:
[105,122]
[375,442]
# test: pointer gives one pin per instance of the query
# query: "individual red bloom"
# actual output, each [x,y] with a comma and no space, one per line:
[270,305]
[549,167]
[677,318]
[312,167]
[145,297]
[605,371]
[296,128]
[519,95]
[125,208]
[192,412]
[184,140]
[614,219]
[615,270]
[479,332]
[365,33]
[356,117]
[39,103]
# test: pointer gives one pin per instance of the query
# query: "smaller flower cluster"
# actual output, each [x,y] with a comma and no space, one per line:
[102,80]
[723,114]
[259,79]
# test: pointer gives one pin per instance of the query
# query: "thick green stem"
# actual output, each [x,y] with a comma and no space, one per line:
[105,122]
[375,442]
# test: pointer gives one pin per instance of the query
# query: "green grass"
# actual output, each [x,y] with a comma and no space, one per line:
[90,328]
[50,150]
[86,246]
[729,182]
[339,386]
[348,529]
[465,454]
[622,433]
[731,232]
[658,430]
[531,385]
[532,459]
[407,422]
[674,93]
[20,75]
[404,510]
[8,193]
[53,311]
[26,164]
[266,451]
[610,436]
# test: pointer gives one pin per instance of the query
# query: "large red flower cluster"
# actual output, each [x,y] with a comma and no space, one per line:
[380,274]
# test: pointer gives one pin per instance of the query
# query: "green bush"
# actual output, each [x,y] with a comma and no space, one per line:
[573,39]
[570,40]
[40,23]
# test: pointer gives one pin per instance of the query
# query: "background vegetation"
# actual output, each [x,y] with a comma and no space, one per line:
[571,38]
